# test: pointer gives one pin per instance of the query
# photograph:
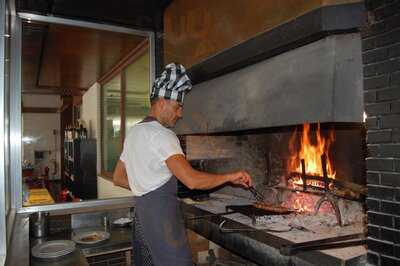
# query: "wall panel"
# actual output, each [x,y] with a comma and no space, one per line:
[195,30]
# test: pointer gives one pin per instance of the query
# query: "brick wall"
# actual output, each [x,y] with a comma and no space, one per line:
[381,58]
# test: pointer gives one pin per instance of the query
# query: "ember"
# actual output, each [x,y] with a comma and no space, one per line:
[305,203]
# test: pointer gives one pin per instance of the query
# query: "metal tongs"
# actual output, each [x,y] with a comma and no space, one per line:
[257,195]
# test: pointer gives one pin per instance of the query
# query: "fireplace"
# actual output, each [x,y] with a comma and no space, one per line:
[299,167]
[298,131]
[315,171]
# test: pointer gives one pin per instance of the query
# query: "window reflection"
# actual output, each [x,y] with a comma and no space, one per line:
[111,122]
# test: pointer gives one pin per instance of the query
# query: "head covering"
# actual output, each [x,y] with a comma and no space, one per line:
[172,84]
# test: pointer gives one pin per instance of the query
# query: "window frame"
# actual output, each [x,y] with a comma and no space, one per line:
[120,69]
[15,112]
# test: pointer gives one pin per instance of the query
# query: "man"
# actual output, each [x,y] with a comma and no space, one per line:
[150,162]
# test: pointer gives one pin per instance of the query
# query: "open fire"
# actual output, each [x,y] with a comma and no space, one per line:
[307,160]
[311,153]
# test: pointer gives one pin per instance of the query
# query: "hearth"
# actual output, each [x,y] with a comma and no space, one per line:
[307,168]
[316,171]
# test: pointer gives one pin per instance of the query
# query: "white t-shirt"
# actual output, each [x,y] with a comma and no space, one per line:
[146,148]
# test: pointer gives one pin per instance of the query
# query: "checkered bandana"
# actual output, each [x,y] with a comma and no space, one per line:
[172,84]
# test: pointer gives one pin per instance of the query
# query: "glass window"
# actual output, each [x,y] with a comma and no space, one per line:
[125,102]
[111,131]
[137,101]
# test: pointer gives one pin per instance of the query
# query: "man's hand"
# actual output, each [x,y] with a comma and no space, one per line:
[240,178]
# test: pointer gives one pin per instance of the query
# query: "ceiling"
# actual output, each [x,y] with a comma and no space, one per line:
[67,60]
[144,14]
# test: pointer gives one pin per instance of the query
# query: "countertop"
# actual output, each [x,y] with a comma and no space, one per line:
[261,246]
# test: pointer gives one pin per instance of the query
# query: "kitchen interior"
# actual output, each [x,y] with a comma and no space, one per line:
[291,91]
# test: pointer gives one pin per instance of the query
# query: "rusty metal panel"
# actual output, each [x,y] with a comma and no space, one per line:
[195,30]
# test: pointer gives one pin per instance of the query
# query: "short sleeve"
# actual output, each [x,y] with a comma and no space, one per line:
[165,145]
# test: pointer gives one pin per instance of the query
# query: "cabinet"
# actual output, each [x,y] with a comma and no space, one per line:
[80,167]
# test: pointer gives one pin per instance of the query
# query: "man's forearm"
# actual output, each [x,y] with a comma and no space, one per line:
[203,180]
[120,177]
[195,179]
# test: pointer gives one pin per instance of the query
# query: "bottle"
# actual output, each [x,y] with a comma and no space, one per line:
[69,130]
[77,133]
[85,133]
[81,133]
[105,223]
[73,132]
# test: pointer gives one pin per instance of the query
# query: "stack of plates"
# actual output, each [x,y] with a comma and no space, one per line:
[53,249]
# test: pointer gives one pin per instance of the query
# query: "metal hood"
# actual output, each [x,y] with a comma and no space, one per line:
[318,82]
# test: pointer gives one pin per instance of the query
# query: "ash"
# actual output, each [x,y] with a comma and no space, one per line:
[306,222]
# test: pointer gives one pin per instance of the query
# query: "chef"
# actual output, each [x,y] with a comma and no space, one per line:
[149,165]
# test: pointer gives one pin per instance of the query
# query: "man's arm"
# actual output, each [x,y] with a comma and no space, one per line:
[194,179]
[120,177]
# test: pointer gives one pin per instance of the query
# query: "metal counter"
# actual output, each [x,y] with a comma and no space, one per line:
[257,246]
[19,251]
[75,258]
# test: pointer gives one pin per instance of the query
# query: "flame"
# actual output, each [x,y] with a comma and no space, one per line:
[311,153]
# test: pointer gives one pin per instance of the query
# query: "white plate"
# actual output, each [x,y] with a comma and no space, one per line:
[122,222]
[91,237]
[53,249]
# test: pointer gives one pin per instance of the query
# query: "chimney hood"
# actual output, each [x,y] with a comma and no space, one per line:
[318,82]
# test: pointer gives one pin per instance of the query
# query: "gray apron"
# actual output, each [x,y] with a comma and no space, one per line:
[160,236]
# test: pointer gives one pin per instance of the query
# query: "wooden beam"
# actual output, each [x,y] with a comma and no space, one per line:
[124,62]
[55,90]
[39,110]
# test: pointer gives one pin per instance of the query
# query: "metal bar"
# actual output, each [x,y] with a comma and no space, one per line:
[92,205]
[3,177]
[337,182]
[123,108]
[324,172]
[303,174]
[326,240]
[80,23]
[210,215]
[333,201]
[292,251]
[15,113]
